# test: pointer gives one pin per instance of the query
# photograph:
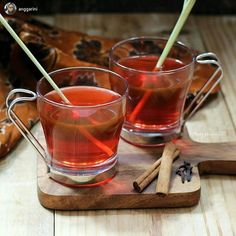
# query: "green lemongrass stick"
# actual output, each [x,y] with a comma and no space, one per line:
[188,5]
[98,143]
[185,1]
[33,59]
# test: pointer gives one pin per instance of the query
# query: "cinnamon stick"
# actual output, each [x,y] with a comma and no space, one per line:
[163,181]
[150,174]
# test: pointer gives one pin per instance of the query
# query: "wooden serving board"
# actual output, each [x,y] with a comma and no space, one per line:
[206,158]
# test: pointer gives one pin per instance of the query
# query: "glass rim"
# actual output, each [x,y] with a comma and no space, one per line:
[83,68]
[177,43]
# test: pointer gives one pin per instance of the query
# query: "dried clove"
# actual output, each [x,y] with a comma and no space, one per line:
[185,172]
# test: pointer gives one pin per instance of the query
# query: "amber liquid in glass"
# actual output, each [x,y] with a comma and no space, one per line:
[155,100]
[78,137]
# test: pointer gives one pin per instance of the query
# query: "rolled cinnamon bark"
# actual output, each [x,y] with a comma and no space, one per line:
[149,175]
[163,181]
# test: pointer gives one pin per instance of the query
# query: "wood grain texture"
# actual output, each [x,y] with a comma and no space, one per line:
[211,124]
[20,211]
[219,35]
[215,213]
[211,158]
[119,192]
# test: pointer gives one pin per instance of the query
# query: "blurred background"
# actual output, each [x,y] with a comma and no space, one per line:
[89,6]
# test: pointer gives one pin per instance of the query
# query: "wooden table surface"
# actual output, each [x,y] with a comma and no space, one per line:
[20,210]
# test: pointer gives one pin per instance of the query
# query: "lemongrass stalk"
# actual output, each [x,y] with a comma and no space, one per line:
[188,5]
[97,142]
[33,59]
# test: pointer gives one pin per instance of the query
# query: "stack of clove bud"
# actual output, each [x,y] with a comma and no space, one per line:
[185,172]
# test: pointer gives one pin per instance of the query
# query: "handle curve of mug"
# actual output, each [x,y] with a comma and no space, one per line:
[211,59]
[10,103]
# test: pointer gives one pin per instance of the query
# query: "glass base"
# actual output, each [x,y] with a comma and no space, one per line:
[85,178]
[148,139]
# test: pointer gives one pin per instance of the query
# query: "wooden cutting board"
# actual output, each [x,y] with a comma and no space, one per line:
[206,158]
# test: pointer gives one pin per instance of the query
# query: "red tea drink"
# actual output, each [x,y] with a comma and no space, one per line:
[155,99]
[84,134]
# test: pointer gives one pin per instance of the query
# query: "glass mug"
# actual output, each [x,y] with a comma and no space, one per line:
[156,100]
[81,138]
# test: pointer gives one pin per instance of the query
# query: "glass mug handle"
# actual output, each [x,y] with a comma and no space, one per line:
[211,59]
[10,103]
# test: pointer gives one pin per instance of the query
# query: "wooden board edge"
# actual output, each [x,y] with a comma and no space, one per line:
[141,201]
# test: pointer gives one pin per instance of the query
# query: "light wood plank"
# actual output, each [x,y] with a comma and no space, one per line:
[219,35]
[20,210]
[215,215]
[191,221]
[47,19]
[129,25]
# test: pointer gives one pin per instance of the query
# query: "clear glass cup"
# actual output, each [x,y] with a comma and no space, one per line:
[81,137]
[155,105]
